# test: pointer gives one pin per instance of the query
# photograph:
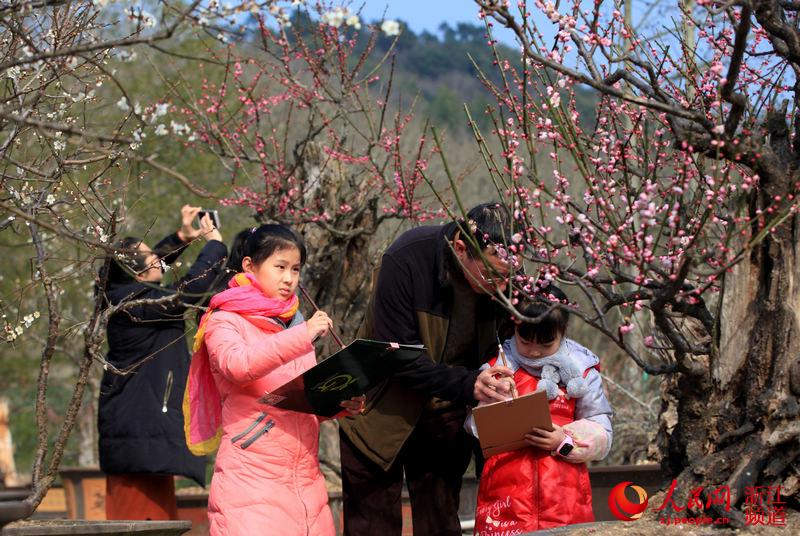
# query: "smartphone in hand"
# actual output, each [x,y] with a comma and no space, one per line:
[214,216]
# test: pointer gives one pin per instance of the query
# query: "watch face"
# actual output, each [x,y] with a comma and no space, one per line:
[565,449]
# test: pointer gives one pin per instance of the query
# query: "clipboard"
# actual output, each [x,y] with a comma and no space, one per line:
[352,371]
[503,425]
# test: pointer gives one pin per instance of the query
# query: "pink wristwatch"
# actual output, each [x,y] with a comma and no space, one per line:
[565,447]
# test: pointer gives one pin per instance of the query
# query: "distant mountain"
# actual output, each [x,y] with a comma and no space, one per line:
[439,68]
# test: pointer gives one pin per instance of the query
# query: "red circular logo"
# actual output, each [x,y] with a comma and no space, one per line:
[621,507]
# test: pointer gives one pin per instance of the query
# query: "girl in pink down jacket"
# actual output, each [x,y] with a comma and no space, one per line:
[266,477]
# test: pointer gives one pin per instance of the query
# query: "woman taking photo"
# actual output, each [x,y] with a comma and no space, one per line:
[140,420]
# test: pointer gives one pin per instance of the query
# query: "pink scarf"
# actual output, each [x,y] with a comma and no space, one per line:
[202,403]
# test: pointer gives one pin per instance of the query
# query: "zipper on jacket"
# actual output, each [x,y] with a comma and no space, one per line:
[254,437]
[249,428]
[167,391]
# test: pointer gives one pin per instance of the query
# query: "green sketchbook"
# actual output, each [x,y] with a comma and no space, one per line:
[352,371]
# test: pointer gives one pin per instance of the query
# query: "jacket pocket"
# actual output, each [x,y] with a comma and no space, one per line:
[252,439]
[247,430]
[263,431]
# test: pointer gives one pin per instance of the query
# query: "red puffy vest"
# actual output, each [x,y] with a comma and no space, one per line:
[528,489]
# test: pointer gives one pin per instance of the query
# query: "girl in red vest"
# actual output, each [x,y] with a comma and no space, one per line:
[547,484]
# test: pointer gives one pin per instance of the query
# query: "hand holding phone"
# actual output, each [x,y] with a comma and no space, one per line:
[207,229]
[212,213]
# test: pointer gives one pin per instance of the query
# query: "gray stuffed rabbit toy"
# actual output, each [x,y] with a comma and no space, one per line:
[561,368]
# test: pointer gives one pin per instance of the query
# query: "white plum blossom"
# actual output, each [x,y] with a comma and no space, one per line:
[50,199]
[179,128]
[80,96]
[27,320]
[138,135]
[284,20]
[59,145]
[353,21]
[140,16]
[161,130]
[390,28]
[127,55]
[335,18]
[148,21]
[123,105]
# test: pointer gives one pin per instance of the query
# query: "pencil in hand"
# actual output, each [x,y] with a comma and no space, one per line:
[502,355]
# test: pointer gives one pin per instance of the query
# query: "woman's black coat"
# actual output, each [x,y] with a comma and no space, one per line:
[140,417]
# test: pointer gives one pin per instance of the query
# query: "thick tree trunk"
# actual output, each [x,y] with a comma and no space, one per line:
[339,266]
[337,278]
[738,425]
[338,271]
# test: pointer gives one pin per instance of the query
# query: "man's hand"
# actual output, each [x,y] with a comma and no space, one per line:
[355,405]
[491,388]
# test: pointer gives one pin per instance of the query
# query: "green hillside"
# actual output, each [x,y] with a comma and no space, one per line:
[439,69]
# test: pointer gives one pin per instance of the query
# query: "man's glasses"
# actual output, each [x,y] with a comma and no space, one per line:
[494,280]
